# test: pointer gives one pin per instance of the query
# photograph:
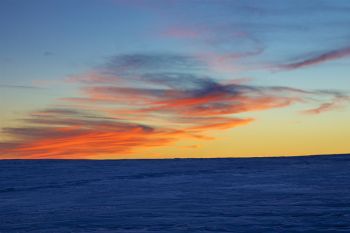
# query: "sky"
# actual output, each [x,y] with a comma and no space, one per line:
[125,79]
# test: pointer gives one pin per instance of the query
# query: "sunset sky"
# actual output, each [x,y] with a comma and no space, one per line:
[110,79]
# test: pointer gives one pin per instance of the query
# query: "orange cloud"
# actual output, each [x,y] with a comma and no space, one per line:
[70,134]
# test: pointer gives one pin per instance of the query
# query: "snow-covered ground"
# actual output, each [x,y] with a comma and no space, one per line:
[301,194]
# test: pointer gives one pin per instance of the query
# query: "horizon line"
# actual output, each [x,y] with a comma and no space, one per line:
[183,158]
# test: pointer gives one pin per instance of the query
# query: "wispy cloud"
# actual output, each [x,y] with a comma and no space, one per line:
[317,59]
[19,87]
[225,44]
[338,100]
[138,101]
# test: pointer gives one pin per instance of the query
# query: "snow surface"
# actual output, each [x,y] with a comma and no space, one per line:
[301,194]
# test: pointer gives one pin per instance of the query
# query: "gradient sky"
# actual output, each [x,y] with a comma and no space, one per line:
[102,79]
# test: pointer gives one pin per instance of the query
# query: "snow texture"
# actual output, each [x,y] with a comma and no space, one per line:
[300,194]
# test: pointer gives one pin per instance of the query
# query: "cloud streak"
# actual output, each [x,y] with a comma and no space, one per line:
[20,87]
[315,60]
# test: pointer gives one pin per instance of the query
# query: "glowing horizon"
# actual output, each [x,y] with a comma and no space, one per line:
[116,79]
